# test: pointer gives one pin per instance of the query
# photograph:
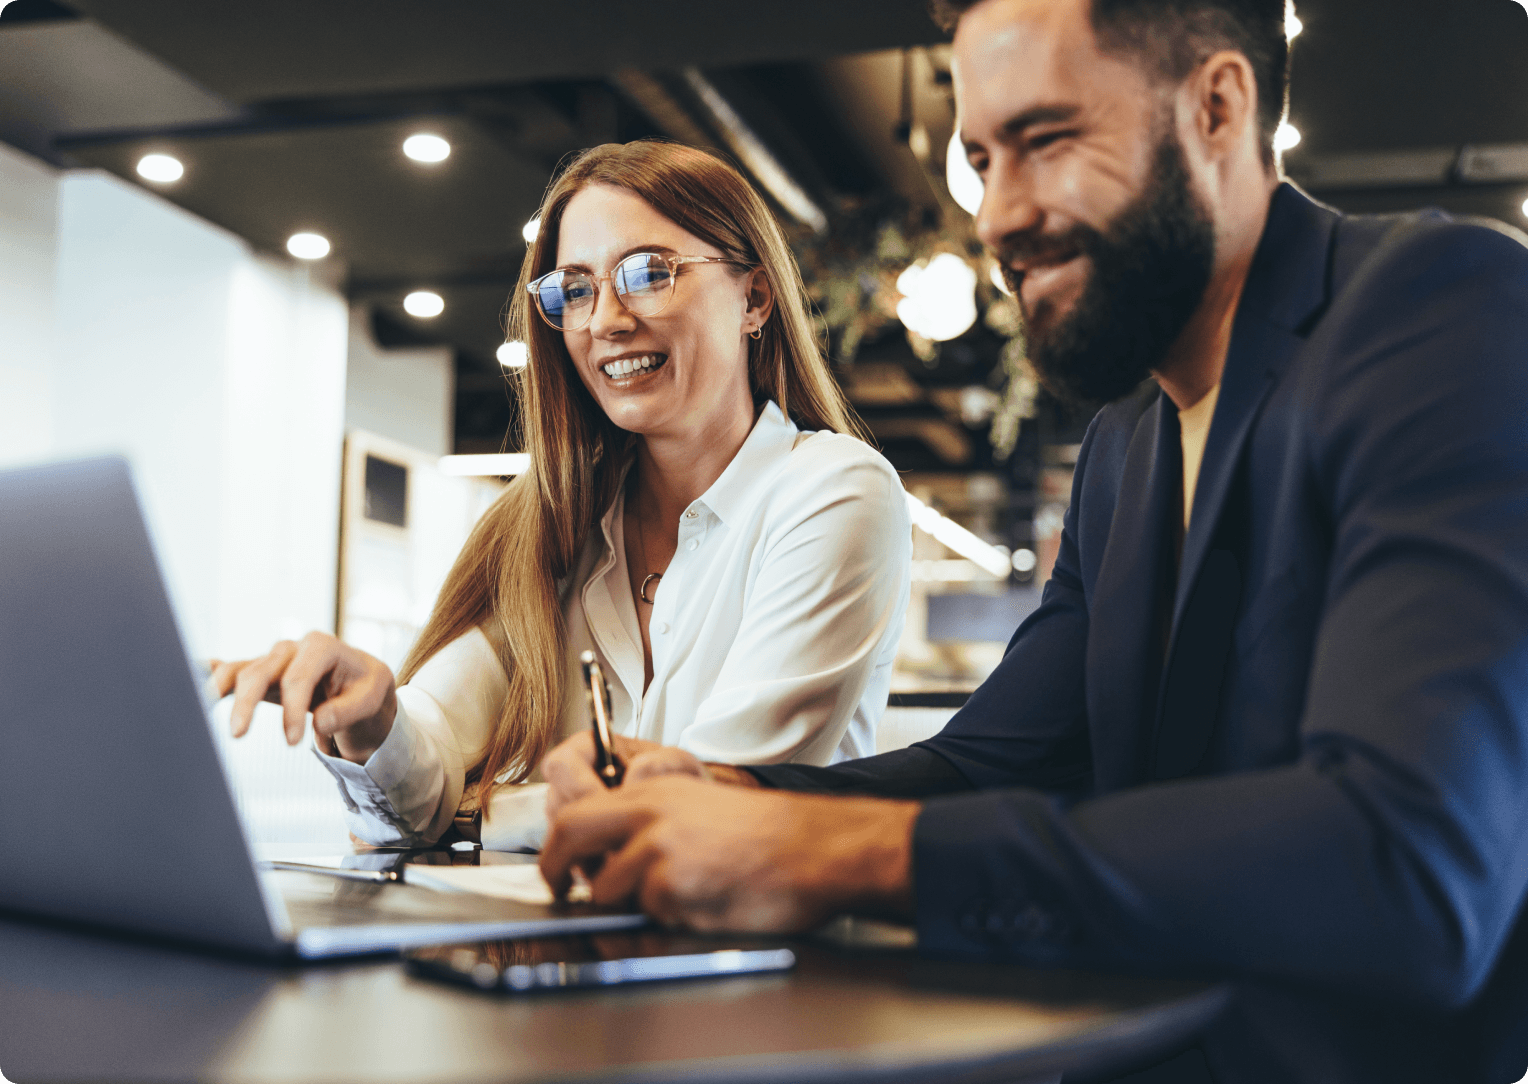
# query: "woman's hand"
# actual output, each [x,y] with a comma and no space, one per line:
[352,696]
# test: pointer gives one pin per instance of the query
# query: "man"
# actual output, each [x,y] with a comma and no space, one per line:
[1270,721]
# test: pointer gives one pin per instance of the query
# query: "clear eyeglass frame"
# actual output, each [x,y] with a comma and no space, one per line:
[642,299]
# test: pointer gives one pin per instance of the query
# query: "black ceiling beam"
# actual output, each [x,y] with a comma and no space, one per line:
[252,125]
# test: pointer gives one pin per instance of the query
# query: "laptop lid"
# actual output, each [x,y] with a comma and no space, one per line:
[114,809]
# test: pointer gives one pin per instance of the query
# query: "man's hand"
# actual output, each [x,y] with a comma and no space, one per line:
[729,858]
[569,768]
[352,696]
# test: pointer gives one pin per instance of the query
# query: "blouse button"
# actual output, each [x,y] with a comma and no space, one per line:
[662,627]
[694,544]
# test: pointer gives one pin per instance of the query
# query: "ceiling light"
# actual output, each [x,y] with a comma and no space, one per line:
[1286,137]
[531,229]
[424,147]
[938,300]
[1024,561]
[965,185]
[1525,208]
[424,304]
[160,168]
[308,246]
[513,355]
[1292,23]
[485,466]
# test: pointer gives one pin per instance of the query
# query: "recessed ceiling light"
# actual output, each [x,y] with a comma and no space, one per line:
[308,246]
[160,168]
[424,304]
[531,229]
[424,147]
[1286,137]
[513,355]
[1292,23]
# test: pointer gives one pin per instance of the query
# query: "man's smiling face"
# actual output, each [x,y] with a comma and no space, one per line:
[1088,204]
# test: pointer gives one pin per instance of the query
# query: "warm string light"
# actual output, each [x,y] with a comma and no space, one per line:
[938,298]
[965,185]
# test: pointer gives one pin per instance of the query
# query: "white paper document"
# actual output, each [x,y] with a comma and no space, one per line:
[522,883]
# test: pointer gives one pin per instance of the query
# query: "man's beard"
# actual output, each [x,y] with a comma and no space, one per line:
[1149,274]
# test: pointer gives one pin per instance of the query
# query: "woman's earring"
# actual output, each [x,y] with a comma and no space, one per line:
[757,333]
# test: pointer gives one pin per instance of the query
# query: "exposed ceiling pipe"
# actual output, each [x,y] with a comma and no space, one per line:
[649,94]
[755,156]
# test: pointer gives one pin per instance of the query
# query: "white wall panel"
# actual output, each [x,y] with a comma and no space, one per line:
[28,243]
[404,395]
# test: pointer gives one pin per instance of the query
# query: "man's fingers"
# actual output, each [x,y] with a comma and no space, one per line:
[626,748]
[569,772]
[252,680]
[622,874]
[586,830]
[665,760]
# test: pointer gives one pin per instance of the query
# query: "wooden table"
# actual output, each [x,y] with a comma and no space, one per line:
[865,1007]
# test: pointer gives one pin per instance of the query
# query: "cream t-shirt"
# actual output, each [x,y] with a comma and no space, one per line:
[1194,427]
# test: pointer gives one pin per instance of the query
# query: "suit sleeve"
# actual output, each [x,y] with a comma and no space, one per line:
[1392,854]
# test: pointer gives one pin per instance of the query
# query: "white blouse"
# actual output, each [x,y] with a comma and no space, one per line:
[774,630]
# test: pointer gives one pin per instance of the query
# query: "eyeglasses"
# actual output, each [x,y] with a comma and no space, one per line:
[644,285]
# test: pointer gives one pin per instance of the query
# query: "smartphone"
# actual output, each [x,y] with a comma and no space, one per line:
[539,964]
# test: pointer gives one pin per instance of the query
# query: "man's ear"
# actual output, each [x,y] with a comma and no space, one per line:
[760,296]
[1223,97]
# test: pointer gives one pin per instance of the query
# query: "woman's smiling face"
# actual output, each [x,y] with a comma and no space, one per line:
[683,371]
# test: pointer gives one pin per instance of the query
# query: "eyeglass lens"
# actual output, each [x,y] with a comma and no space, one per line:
[643,283]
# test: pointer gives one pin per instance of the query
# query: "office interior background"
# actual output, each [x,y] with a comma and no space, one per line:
[264,251]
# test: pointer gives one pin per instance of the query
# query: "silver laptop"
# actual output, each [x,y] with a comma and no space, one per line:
[114,809]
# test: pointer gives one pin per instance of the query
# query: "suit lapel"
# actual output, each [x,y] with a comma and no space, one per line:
[1286,288]
[1130,599]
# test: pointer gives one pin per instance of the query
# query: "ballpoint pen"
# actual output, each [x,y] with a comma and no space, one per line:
[606,763]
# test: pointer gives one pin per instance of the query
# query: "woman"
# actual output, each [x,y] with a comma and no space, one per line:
[697,514]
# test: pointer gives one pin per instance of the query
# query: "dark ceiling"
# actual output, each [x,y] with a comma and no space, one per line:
[289,115]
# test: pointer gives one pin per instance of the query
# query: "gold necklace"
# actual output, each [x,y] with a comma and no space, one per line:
[652,577]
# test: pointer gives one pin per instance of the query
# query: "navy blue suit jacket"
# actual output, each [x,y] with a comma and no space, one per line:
[1300,759]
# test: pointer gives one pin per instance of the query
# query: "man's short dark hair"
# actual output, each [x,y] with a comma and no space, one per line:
[1178,35]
